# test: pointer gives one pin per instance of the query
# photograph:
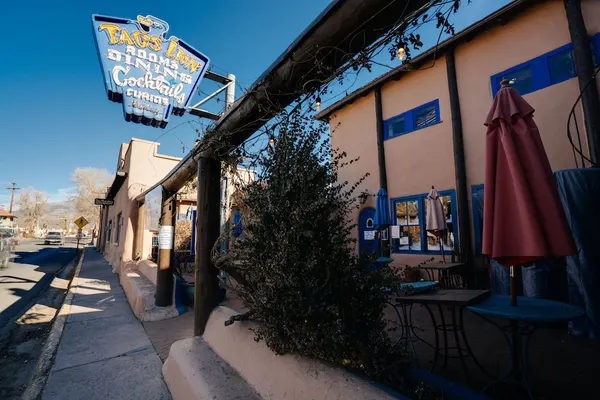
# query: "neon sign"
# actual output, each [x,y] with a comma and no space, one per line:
[154,77]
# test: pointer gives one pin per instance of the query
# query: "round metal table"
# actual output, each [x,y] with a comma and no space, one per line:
[523,320]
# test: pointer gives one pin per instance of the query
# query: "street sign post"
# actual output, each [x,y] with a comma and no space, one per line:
[81,222]
[104,202]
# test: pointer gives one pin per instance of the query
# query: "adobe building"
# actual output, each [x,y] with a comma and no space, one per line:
[432,115]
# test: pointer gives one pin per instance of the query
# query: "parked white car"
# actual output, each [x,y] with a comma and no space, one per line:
[5,247]
[54,238]
[13,233]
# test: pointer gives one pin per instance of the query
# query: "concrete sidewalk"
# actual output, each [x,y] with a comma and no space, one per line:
[104,352]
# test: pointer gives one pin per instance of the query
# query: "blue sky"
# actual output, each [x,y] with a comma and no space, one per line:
[55,113]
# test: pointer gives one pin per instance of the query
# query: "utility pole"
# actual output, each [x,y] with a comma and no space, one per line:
[12,195]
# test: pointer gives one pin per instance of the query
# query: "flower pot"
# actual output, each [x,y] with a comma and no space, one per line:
[189,294]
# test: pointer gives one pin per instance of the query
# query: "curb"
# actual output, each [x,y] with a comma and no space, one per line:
[37,382]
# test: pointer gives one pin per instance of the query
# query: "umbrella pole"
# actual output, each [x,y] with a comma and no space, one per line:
[513,286]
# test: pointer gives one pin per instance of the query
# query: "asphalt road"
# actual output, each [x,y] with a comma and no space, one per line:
[29,273]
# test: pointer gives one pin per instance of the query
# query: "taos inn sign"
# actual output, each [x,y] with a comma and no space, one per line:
[154,77]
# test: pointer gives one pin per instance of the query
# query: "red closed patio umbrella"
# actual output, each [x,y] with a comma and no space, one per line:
[523,218]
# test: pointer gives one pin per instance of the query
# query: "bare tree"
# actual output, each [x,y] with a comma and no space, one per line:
[89,184]
[32,207]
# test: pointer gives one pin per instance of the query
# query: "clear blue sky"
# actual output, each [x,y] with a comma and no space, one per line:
[55,113]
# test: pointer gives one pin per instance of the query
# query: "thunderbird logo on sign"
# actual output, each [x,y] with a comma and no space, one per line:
[151,75]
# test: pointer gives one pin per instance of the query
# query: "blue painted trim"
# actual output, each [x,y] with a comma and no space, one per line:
[540,68]
[477,227]
[409,120]
[420,198]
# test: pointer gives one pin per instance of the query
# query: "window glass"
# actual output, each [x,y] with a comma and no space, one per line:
[407,216]
[562,66]
[520,79]
[433,242]
[397,127]
[425,116]
[401,213]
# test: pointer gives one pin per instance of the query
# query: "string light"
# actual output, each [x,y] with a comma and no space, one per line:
[271,142]
[401,53]
[318,103]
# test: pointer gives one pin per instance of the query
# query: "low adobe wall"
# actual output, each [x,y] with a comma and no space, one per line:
[194,371]
[140,293]
[148,269]
[273,377]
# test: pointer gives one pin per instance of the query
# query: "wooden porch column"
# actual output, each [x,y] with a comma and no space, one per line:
[462,194]
[207,233]
[582,54]
[164,276]
[381,158]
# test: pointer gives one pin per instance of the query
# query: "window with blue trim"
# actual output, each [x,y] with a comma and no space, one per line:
[418,118]
[411,216]
[546,70]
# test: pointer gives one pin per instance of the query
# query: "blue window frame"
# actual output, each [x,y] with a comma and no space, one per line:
[410,214]
[418,118]
[546,70]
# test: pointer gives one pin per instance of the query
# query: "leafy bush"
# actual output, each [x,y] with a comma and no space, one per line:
[296,265]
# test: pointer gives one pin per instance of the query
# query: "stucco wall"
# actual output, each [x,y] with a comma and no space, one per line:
[353,130]
[144,168]
[419,159]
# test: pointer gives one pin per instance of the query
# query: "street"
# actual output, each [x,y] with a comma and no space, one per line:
[30,296]
[28,274]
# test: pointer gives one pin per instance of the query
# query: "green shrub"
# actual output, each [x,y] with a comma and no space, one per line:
[297,269]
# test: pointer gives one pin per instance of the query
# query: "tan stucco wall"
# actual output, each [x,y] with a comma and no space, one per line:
[353,131]
[422,158]
[144,168]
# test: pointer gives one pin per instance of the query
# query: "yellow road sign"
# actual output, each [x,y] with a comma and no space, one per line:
[81,222]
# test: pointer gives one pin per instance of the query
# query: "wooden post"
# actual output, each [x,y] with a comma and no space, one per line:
[584,65]
[164,276]
[462,195]
[381,161]
[207,233]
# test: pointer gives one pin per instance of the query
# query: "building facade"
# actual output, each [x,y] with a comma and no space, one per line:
[139,166]
[432,117]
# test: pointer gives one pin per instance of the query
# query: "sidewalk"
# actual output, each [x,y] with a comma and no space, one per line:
[104,352]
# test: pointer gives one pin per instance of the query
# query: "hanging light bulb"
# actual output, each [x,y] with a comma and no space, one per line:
[401,53]
[318,103]
[271,142]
